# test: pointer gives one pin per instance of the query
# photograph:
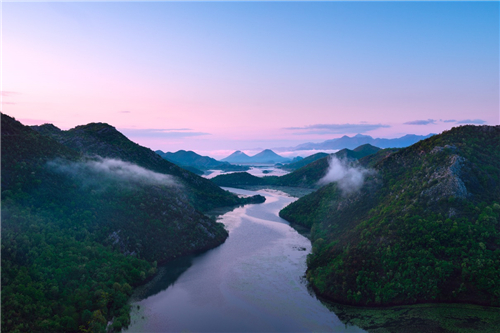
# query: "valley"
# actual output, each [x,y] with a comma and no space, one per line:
[96,228]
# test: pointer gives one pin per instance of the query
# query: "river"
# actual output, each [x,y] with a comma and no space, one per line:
[254,282]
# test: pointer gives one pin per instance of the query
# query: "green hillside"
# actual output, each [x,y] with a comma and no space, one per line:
[303,162]
[104,140]
[357,153]
[80,231]
[424,227]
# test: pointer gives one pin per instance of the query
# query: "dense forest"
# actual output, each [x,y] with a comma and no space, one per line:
[424,227]
[86,216]
[100,139]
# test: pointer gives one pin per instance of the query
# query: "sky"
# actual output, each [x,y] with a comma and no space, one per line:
[219,76]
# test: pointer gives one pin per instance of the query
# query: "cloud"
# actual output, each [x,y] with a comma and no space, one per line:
[97,170]
[472,121]
[161,133]
[336,128]
[421,122]
[449,121]
[348,178]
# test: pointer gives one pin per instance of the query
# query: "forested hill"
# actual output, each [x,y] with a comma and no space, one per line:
[79,232]
[424,227]
[303,162]
[189,159]
[103,140]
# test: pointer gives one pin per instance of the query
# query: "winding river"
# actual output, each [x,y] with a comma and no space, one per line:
[254,282]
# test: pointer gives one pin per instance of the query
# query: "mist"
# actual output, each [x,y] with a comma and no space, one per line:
[95,170]
[349,178]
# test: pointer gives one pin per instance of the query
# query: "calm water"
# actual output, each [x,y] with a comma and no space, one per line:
[258,171]
[251,283]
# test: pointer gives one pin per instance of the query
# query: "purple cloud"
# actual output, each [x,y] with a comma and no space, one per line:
[421,122]
[472,121]
[335,128]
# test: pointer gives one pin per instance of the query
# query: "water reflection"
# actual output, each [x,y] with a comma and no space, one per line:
[258,171]
[254,282]
[166,277]
[251,283]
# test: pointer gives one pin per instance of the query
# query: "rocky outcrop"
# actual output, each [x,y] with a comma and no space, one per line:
[447,181]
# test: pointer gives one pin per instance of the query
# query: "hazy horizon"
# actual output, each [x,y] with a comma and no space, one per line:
[226,76]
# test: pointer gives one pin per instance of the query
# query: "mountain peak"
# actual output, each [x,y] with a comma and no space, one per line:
[265,156]
[360,139]
[96,127]
[266,152]
[237,157]
[46,129]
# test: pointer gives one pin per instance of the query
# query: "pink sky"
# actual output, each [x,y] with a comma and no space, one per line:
[207,77]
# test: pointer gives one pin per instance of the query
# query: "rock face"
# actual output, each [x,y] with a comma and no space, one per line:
[447,180]
[422,228]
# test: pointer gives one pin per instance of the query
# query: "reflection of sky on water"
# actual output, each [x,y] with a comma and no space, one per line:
[259,171]
[251,283]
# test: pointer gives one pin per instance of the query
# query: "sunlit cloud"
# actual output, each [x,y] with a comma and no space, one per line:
[335,128]
[166,133]
[472,121]
[421,122]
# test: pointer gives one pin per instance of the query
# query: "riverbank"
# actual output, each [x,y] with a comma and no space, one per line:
[429,318]
[253,282]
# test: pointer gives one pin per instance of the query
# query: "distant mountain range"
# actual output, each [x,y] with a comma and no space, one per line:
[359,139]
[305,173]
[266,156]
[190,160]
